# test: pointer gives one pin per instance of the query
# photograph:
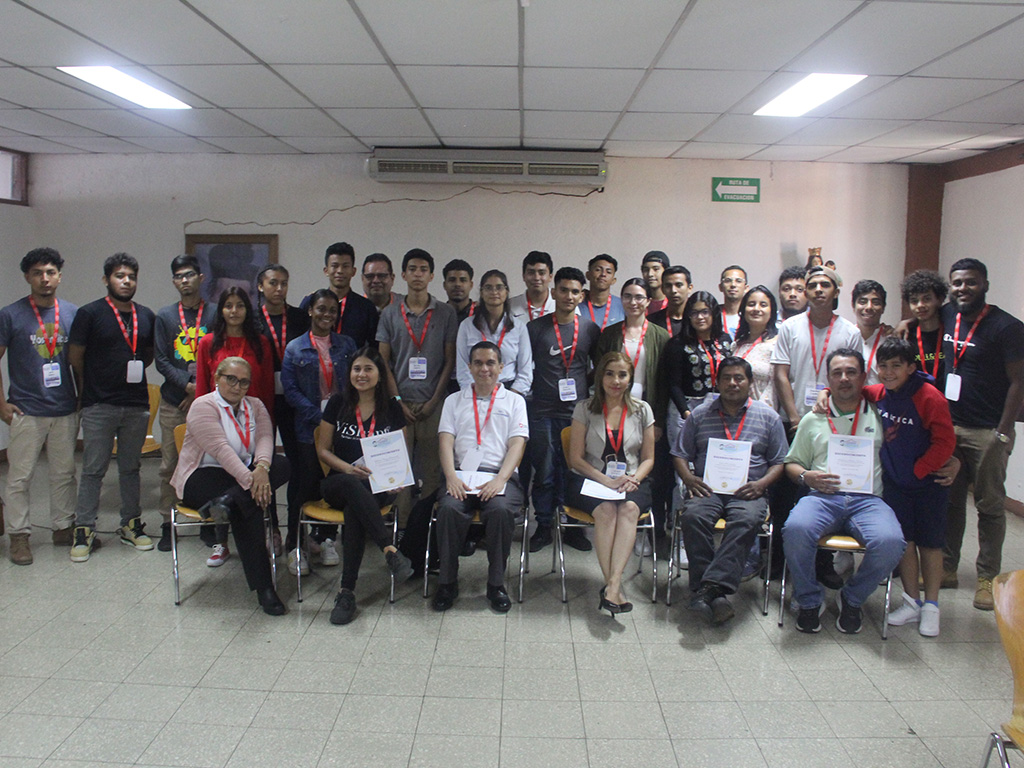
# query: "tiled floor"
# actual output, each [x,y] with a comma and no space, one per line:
[99,667]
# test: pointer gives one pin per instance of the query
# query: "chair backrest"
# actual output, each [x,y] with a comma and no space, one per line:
[565,443]
[154,405]
[179,436]
[1008,593]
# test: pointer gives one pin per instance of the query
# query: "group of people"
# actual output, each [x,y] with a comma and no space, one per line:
[653,391]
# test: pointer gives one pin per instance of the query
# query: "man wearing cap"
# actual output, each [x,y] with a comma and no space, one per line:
[651,268]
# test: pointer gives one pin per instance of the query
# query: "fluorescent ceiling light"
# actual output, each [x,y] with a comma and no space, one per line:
[125,86]
[807,94]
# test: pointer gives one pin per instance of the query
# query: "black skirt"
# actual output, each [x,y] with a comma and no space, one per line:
[573,498]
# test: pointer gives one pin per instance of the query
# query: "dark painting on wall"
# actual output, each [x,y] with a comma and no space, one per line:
[231,260]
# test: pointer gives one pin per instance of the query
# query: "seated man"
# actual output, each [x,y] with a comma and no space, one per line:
[732,416]
[483,429]
[827,509]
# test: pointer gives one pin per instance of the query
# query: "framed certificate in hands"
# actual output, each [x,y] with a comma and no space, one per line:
[853,459]
[727,465]
[388,461]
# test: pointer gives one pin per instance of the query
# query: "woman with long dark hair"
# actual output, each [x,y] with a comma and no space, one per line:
[755,340]
[362,409]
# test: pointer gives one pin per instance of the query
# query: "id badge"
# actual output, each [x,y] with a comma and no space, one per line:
[278,386]
[811,394]
[134,373]
[615,469]
[953,386]
[417,368]
[567,390]
[471,461]
[51,375]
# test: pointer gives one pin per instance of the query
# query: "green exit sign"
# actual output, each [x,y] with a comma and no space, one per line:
[725,189]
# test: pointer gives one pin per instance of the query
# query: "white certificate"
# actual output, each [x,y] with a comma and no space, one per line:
[596,490]
[388,461]
[853,459]
[475,479]
[727,464]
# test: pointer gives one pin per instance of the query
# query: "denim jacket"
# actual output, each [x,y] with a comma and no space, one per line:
[300,379]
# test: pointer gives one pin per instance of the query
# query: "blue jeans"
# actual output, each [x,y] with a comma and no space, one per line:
[549,471]
[101,423]
[868,519]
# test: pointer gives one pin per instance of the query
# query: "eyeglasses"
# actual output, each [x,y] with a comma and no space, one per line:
[633,299]
[700,313]
[494,288]
[183,276]
[376,275]
[234,381]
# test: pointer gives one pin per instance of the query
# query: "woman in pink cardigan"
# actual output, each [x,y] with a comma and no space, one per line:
[227,467]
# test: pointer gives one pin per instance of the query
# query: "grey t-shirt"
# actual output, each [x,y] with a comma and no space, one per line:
[442,330]
[27,353]
[549,364]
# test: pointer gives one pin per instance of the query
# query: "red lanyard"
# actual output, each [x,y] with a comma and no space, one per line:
[856,418]
[640,343]
[282,342]
[575,336]
[246,436]
[132,342]
[712,362]
[725,321]
[622,425]
[472,309]
[504,330]
[359,422]
[607,311]
[341,312]
[327,369]
[959,353]
[529,307]
[758,341]
[739,429]
[487,418]
[938,350]
[192,339]
[408,327]
[50,344]
[814,352]
[874,347]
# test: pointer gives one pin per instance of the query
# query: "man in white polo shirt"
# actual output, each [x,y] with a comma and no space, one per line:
[482,435]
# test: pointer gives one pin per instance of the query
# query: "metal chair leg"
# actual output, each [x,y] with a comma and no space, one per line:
[782,593]
[560,552]
[298,564]
[998,743]
[523,553]
[426,555]
[394,543]
[768,568]
[885,611]
[174,559]
[654,562]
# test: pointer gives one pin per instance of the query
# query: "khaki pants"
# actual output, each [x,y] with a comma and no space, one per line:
[170,417]
[28,435]
[983,460]
[421,441]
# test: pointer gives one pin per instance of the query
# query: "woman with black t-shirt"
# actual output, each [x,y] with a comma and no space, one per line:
[362,410]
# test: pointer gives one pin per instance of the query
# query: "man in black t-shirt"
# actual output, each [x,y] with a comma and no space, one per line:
[110,345]
[984,360]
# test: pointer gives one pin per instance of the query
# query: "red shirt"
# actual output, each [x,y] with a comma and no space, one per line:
[262,387]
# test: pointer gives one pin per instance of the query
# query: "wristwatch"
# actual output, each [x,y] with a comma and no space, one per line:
[1004,439]
[803,480]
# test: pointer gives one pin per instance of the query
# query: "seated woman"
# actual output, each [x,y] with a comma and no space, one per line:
[362,410]
[612,443]
[227,464]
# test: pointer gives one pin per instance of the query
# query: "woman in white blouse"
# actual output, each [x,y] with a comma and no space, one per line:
[755,340]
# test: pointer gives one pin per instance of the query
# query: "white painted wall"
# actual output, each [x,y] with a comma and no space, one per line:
[981,218]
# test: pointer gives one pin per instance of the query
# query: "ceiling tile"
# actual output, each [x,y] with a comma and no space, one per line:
[568,125]
[941,156]
[176,144]
[1005,106]
[608,33]
[227,86]
[161,32]
[475,123]
[34,145]
[999,138]
[582,89]
[868,155]
[691,90]
[995,55]
[928,134]
[445,31]
[835,132]
[35,89]
[751,34]
[202,122]
[640,148]
[326,145]
[915,98]
[866,44]
[258,145]
[649,126]
[382,122]
[39,42]
[361,86]
[290,122]
[782,153]
[115,122]
[38,124]
[463,87]
[750,129]
[709,150]
[329,31]
[105,144]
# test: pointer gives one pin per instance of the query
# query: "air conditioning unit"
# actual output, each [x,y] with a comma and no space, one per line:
[474,166]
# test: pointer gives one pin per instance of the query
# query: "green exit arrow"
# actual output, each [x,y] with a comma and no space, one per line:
[726,189]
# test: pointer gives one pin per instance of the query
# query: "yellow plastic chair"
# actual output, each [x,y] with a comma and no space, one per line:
[192,519]
[577,518]
[1008,593]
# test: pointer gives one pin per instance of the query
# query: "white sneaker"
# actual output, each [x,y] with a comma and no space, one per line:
[292,568]
[642,547]
[329,553]
[929,624]
[682,561]
[843,563]
[908,613]
[217,556]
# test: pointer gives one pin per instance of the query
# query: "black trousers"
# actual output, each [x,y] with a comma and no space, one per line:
[306,477]
[284,416]
[245,516]
[362,520]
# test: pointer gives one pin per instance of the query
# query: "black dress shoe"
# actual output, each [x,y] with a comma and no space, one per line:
[164,545]
[500,601]
[825,571]
[468,548]
[445,597]
[271,603]
[577,539]
[541,538]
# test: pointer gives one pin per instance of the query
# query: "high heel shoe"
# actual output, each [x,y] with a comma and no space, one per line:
[608,605]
